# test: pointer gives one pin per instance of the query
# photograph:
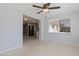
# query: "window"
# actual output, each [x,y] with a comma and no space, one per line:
[59,25]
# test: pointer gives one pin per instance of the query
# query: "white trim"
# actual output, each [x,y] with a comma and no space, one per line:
[39,26]
[39,30]
[64,42]
[7,50]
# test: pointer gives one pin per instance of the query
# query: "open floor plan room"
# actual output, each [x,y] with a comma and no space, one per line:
[39,29]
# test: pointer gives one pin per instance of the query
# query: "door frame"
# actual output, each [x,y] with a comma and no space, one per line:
[39,27]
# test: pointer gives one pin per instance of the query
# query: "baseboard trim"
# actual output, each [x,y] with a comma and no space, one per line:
[7,50]
[69,43]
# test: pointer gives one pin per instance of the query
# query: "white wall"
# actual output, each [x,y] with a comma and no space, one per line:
[11,25]
[68,38]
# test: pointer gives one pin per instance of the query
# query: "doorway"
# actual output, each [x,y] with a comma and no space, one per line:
[31,29]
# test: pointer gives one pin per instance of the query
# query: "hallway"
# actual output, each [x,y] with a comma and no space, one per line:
[35,47]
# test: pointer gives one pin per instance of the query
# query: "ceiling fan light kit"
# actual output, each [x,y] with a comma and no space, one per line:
[46,8]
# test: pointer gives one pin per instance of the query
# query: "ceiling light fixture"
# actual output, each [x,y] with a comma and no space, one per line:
[25,19]
[45,10]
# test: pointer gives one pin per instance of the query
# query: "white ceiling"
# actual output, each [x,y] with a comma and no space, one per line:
[65,8]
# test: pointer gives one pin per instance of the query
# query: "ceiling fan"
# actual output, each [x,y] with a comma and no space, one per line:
[46,8]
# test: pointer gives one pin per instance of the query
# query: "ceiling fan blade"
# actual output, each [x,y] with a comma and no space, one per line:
[48,4]
[37,6]
[40,11]
[45,6]
[54,7]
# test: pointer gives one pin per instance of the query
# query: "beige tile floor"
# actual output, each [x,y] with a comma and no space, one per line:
[34,47]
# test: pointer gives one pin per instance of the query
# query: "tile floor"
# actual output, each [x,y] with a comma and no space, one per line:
[35,47]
